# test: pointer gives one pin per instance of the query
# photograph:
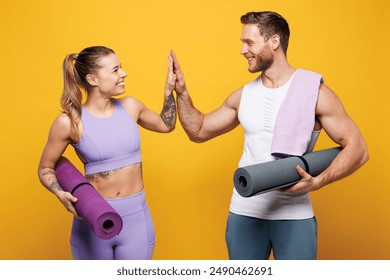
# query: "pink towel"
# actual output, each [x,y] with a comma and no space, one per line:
[295,121]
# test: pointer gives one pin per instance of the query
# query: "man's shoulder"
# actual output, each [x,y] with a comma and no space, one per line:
[233,100]
[305,73]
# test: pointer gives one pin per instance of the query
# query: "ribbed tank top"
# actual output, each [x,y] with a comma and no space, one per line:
[257,113]
[109,143]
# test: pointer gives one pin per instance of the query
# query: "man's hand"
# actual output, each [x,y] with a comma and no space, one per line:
[306,184]
[180,85]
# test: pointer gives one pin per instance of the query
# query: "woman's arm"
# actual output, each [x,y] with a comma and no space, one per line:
[163,122]
[59,139]
[148,119]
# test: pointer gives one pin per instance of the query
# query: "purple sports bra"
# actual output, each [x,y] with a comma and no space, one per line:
[109,143]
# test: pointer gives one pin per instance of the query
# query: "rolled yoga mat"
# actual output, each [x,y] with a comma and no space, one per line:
[91,206]
[264,177]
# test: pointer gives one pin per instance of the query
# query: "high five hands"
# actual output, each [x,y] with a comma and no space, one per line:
[175,78]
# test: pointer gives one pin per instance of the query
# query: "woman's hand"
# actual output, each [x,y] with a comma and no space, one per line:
[68,200]
[171,77]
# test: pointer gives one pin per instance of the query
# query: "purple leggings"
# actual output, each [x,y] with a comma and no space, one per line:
[135,241]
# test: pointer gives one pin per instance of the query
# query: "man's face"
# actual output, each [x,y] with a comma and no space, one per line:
[255,49]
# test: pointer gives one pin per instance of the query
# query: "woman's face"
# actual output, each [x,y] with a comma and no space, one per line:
[110,77]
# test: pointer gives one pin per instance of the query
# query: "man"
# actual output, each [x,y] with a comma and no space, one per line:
[281,221]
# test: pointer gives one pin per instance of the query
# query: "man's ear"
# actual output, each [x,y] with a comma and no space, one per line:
[92,80]
[275,41]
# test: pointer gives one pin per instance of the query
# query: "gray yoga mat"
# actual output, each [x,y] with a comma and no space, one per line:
[264,177]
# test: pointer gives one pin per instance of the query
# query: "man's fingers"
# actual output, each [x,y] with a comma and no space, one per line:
[176,65]
[306,177]
[301,171]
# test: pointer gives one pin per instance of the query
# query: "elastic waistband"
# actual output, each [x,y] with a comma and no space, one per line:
[113,163]
[128,205]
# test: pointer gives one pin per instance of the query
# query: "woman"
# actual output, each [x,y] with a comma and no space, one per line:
[106,138]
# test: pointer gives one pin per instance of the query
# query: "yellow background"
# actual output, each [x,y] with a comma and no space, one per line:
[189,185]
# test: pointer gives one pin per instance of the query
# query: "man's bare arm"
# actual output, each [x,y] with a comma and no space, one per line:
[342,130]
[201,127]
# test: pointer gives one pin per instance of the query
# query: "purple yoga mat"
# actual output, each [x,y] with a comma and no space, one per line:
[91,206]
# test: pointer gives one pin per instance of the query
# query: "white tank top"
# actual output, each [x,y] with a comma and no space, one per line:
[257,113]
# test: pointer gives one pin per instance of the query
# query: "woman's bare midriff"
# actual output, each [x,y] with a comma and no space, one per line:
[120,182]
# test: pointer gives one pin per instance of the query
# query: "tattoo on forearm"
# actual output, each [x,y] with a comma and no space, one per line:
[53,184]
[168,113]
[48,172]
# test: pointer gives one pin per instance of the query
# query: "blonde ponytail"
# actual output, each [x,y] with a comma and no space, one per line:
[75,69]
[71,96]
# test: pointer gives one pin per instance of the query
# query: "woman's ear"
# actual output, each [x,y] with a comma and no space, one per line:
[92,80]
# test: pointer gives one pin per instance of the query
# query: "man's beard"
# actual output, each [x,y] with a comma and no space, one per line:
[264,60]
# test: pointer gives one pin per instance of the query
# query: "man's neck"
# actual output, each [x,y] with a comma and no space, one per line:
[277,75]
